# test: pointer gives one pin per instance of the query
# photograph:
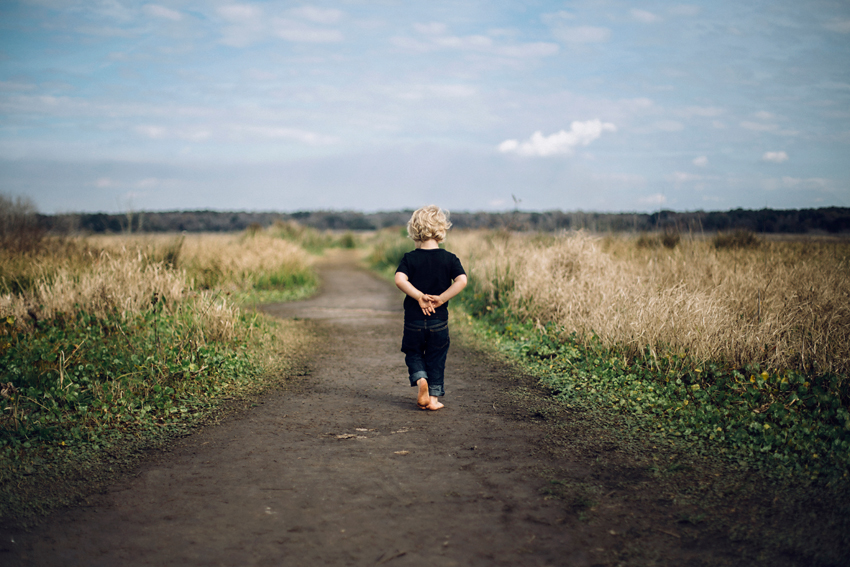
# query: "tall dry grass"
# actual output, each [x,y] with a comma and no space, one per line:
[125,274]
[230,262]
[238,263]
[781,305]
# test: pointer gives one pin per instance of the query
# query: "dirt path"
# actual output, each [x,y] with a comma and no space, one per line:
[343,469]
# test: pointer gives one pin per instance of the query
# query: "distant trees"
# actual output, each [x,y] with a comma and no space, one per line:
[825,220]
[20,230]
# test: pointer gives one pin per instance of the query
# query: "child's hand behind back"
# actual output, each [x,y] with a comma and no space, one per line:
[434,300]
[427,305]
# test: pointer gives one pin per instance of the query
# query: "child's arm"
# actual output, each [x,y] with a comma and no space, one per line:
[454,289]
[404,285]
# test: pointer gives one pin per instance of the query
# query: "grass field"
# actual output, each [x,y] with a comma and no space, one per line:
[738,343]
[782,305]
[111,342]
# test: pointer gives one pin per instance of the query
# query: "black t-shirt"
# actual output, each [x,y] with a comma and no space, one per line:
[431,272]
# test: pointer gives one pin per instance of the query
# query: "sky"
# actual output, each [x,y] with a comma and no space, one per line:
[115,105]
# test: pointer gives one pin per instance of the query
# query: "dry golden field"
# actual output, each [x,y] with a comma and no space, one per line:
[782,303]
[105,274]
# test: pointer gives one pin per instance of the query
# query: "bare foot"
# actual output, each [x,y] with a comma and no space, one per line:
[434,404]
[423,400]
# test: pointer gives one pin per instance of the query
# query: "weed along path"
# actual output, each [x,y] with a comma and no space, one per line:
[342,468]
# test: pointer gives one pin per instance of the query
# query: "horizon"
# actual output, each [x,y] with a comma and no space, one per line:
[450,212]
[353,105]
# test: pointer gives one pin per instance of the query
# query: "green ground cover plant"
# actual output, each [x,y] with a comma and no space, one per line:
[311,239]
[126,342]
[784,420]
[386,249]
[783,424]
[82,383]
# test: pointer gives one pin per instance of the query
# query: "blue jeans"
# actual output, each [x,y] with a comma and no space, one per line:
[425,345]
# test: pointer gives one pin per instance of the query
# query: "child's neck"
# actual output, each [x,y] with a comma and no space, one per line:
[430,244]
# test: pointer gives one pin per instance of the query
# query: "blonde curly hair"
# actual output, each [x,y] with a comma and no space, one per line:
[427,223]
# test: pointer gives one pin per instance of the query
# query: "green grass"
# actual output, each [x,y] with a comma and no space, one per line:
[86,383]
[387,250]
[311,239]
[81,392]
[90,391]
[783,424]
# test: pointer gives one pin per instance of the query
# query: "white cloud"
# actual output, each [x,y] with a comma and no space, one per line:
[417,92]
[562,31]
[628,179]
[160,132]
[701,111]
[15,86]
[195,135]
[641,103]
[764,115]
[295,31]
[104,183]
[644,16]
[524,50]
[685,10]
[701,161]
[758,126]
[838,25]
[563,142]
[654,199]
[432,28]
[718,124]
[110,9]
[775,157]
[436,39]
[467,42]
[684,177]
[239,12]
[162,12]
[247,24]
[260,75]
[807,184]
[669,126]
[152,132]
[271,132]
[317,15]
[813,183]
[146,183]
[557,17]
[582,34]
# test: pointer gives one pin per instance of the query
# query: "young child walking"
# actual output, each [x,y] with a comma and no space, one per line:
[430,276]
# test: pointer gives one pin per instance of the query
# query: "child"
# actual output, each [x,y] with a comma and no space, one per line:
[430,277]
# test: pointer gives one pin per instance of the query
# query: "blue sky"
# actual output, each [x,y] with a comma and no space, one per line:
[107,105]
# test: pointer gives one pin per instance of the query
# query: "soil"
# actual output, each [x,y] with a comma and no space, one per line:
[340,467]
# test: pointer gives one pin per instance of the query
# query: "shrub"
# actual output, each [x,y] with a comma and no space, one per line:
[736,239]
[670,239]
[19,230]
[388,248]
[645,240]
[347,241]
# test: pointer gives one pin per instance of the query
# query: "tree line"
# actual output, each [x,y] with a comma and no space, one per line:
[792,221]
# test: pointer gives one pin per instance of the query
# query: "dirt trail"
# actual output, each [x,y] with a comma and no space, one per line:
[343,469]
